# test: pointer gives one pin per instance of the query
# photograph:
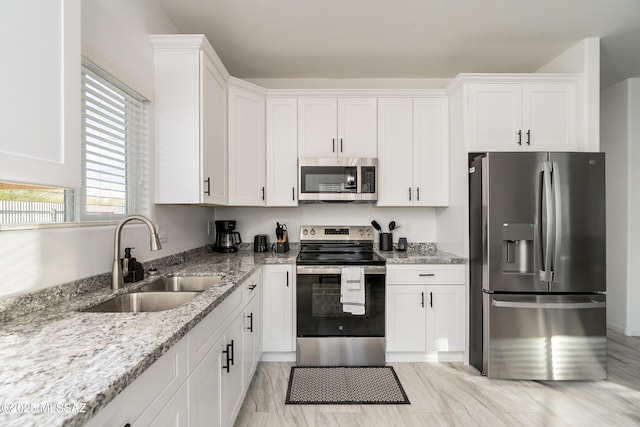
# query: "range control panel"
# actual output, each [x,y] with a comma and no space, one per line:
[333,232]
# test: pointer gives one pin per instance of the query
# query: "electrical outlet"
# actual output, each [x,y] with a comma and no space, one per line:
[162,233]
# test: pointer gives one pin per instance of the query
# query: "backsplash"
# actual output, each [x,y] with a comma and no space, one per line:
[416,224]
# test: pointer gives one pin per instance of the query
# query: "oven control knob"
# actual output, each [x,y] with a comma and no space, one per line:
[305,232]
[313,232]
[361,232]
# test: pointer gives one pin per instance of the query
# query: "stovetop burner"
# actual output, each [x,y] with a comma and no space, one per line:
[331,245]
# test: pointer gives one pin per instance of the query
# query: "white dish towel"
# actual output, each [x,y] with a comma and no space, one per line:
[352,290]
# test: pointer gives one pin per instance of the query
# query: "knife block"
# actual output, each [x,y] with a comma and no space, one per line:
[282,244]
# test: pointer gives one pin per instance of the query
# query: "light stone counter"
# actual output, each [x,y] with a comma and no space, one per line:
[75,361]
[420,253]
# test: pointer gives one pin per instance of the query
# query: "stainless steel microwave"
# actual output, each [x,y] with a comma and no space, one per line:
[334,179]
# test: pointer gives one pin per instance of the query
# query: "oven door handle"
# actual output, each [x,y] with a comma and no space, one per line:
[336,269]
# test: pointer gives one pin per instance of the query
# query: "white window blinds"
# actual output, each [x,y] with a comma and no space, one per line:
[113,123]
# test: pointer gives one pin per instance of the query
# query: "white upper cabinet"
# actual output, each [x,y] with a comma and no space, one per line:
[357,132]
[395,151]
[246,144]
[282,152]
[431,151]
[537,116]
[413,152]
[317,127]
[40,87]
[337,127]
[190,109]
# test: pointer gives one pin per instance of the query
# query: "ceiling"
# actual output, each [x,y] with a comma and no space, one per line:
[408,38]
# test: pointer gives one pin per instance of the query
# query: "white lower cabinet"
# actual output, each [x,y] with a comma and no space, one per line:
[425,312]
[278,308]
[146,398]
[203,379]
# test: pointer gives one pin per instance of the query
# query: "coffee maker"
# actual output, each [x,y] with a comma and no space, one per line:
[227,238]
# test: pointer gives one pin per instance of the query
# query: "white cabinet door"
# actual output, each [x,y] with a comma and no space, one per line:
[232,379]
[174,414]
[246,147]
[282,152]
[214,135]
[40,87]
[206,392]
[406,318]
[549,116]
[357,133]
[445,317]
[317,127]
[190,103]
[430,152]
[495,117]
[251,333]
[277,308]
[395,151]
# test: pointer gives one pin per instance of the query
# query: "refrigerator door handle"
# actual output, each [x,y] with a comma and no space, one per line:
[557,217]
[546,234]
[547,305]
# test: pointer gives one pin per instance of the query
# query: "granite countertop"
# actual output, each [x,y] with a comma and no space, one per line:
[77,362]
[420,253]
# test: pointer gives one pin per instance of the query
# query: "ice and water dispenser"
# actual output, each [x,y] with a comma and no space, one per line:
[517,248]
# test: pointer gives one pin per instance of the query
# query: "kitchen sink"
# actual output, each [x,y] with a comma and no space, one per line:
[181,284]
[137,302]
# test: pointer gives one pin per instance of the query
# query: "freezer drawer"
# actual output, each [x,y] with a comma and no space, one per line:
[544,337]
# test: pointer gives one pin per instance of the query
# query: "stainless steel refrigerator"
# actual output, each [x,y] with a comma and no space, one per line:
[537,298]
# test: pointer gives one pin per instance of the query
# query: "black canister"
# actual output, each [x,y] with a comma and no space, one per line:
[386,241]
[261,243]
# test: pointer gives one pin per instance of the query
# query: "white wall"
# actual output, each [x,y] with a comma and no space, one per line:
[418,224]
[114,34]
[620,132]
[583,58]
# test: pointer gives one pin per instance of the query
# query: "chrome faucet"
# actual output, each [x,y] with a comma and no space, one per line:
[118,275]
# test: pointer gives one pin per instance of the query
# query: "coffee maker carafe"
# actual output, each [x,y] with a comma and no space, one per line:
[227,238]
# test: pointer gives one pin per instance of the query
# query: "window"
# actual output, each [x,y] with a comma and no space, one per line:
[114,161]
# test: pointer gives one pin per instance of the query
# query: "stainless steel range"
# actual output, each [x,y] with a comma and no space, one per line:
[340,297]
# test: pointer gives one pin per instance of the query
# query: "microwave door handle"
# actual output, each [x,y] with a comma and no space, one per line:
[359,179]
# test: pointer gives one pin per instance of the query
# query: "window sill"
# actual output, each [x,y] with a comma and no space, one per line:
[21,227]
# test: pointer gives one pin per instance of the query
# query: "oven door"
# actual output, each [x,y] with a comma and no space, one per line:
[320,313]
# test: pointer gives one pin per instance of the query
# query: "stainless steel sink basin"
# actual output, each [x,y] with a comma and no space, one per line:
[137,302]
[181,284]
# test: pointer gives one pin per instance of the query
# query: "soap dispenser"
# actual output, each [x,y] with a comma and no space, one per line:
[133,269]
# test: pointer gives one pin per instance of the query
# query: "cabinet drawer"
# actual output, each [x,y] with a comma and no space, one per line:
[425,274]
[250,287]
[207,332]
